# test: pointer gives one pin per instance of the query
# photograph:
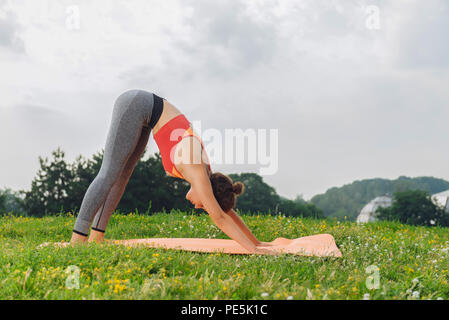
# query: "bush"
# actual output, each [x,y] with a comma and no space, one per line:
[414,207]
[10,201]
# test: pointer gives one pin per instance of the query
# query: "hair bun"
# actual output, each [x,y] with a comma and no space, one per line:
[238,188]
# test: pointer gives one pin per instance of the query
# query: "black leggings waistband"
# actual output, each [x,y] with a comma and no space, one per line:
[158,106]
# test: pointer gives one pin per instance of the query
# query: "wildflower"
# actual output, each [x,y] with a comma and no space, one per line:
[415,294]
[263,295]
[290,298]
[366,296]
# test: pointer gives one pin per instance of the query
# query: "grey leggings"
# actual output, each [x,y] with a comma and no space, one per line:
[127,138]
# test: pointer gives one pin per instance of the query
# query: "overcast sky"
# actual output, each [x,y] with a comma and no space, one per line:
[356,89]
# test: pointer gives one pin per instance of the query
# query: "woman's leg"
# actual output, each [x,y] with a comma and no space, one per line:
[107,209]
[132,112]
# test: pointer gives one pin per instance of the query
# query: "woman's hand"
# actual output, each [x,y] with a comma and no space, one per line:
[265,250]
[265,244]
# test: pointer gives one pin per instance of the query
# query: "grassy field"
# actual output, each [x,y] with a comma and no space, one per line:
[411,262]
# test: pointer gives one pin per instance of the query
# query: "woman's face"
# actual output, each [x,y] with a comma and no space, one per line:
[193,198]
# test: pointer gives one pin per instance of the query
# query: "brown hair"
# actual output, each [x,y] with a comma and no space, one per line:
[225,191]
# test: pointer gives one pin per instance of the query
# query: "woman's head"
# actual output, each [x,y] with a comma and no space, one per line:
[225,192]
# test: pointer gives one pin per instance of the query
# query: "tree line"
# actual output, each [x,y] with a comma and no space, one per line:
[348,200]
[60,186]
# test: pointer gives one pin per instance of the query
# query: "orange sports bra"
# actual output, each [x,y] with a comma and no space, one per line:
[168,136]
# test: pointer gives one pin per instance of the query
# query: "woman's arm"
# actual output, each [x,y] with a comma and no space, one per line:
[243,227]
[201,185]
[196,174]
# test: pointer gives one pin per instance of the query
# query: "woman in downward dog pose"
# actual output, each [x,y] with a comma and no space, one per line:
[136,114]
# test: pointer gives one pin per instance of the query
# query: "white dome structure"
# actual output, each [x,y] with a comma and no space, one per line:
[368,212]
[442,199]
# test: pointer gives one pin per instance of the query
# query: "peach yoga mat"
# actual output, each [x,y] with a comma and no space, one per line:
[317,245]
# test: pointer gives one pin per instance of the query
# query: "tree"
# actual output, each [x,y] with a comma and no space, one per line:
[258,196]
[2,202]
[61,186]
[414,207]
[49,190]
[149,183]
[84,172]
[298,207]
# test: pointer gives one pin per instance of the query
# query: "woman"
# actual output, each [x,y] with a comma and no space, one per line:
[136,114]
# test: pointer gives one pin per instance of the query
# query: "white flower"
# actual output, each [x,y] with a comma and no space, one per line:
[415,294]
[263,295]
[366,296]
[290,298]
[416,280]
[439,298]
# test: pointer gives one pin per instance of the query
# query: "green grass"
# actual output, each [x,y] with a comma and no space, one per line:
[411,261]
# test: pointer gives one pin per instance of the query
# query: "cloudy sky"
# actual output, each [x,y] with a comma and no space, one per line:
[356,89]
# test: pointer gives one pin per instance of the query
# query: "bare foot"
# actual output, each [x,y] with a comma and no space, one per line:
[96,236]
